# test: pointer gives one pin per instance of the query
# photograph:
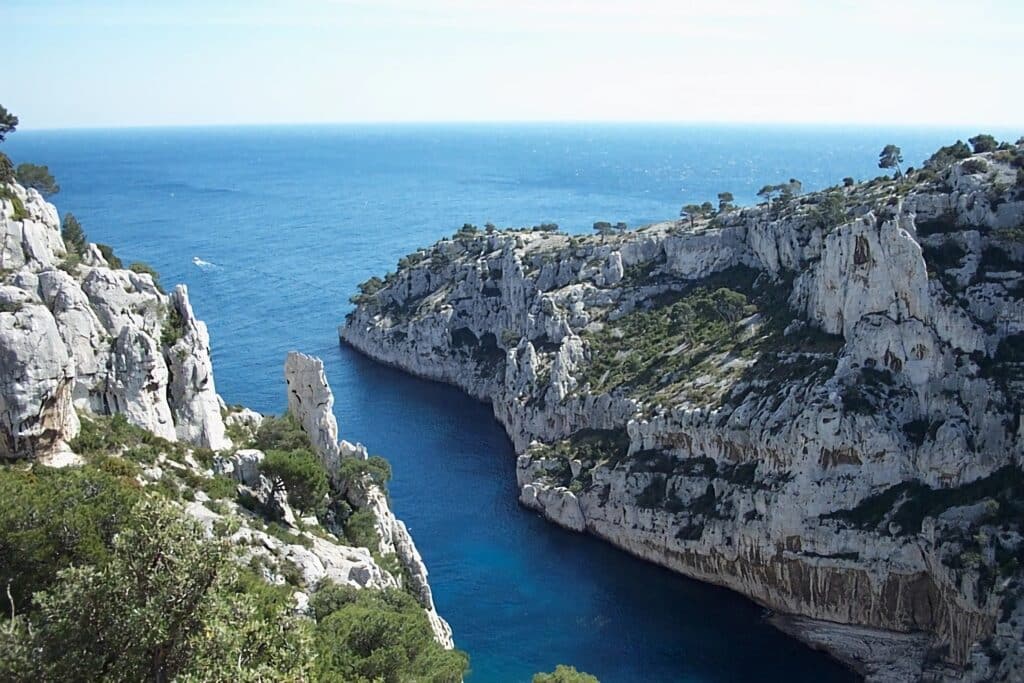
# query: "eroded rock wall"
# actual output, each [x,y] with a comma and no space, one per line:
[822,459]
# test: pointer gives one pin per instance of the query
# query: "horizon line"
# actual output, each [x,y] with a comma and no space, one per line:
[530,122]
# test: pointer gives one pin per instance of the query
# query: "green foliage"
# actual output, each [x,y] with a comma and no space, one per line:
[146,269]
[832,210]
[368,636]
[974,166]
[703,319]
[111,584]
[166,603]
[983,143]
[38,177]
[6,169]
[108,254]
[377,468]
[368,291]
[725,201]
[361,530]
[8,123]
[849,182]
[891,156]
[467,230]
[281,434]
[173,327]
[692,212]
[20,213]
[604,228]
[52,519]
[565,674]
[101,435]
[947,156]
[302,474]
[73,234]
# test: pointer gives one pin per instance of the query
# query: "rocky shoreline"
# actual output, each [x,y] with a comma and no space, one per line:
[816,403]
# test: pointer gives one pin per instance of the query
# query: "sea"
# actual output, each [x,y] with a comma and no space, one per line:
[272,228]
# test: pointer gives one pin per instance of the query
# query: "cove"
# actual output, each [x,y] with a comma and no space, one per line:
[291,219]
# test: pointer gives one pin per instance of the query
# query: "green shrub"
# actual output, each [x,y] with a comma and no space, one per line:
[173,327]
[73,234]
[102,435]
[108,254]
[565,674]
[974,166]
[69,264]
[301,474]
[368,290]
[6,169]
[20,213]
[166,604]
[38,177]
[364,636]
[946,156]
[361,530]
[376,467]
[53,518]
[983,143]
[281,434]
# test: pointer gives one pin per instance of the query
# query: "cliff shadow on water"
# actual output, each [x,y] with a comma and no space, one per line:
[502,574]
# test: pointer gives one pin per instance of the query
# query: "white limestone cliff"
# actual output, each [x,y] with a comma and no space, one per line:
[896,379]
[107,330]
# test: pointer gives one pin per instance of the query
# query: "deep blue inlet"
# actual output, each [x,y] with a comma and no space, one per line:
[293,218]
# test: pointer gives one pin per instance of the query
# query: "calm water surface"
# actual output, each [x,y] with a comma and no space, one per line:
[294,218]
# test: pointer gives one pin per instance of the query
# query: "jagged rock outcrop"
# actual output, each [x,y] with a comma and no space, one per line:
[107,340]
[311,402]
[797,401]
[194,400]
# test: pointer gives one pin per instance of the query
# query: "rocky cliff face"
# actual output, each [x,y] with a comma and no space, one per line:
[78,334]
[78,337]
[311,401]
[816,403]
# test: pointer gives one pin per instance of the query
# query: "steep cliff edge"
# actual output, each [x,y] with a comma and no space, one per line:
[98,364]
[816,402]
[78,334]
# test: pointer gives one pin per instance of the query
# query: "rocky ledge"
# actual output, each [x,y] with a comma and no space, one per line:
[83,341]
[816,402]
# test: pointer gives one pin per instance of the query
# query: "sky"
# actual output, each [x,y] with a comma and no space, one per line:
[113,63]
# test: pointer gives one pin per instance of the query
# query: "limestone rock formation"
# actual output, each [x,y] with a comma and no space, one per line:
[36,377]
[800,401]
[80,335]
[193,395]
[311,402]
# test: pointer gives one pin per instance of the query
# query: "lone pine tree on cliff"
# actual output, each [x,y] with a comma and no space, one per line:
[891,156]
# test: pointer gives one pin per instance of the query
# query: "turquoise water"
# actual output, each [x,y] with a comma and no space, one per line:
[293,218]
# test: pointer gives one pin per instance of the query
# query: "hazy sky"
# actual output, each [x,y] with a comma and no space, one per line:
[110,63]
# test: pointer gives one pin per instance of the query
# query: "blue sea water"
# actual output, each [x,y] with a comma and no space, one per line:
[290,219]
